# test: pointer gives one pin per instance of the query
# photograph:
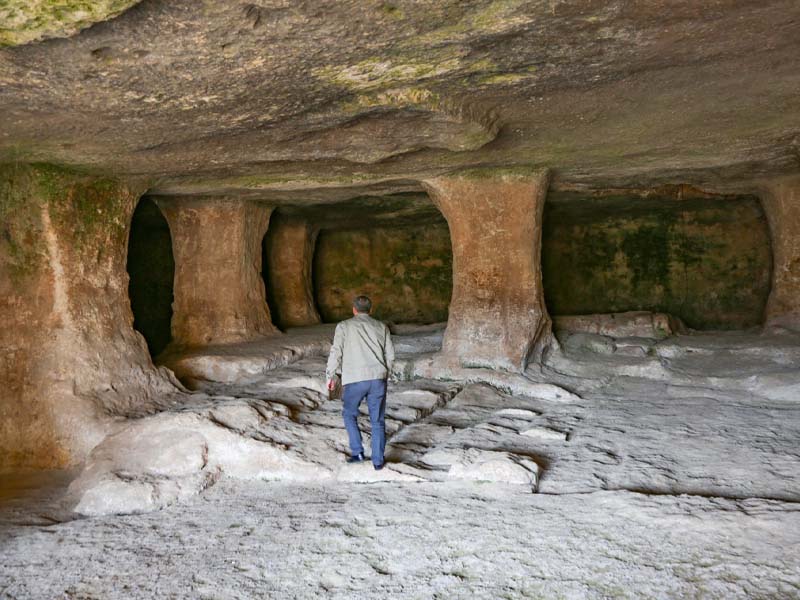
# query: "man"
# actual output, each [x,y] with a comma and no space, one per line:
[363,353]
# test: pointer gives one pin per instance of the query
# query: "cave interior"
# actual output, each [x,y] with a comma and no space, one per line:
[580,222]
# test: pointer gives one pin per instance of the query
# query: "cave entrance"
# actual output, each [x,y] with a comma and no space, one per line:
[151,267]
[703,258]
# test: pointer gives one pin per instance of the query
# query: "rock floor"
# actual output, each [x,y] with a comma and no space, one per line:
[648,487]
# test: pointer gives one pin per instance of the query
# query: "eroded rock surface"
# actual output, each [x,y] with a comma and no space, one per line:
[25,21]
[298,99]
[289,253]
[495,225]
[646,489]
[483,425]
[71,359]
[781,201]
[219,292]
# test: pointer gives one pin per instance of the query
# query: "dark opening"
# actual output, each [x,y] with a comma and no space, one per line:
[151,268]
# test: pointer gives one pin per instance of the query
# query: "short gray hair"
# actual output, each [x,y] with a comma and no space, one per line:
[362,304]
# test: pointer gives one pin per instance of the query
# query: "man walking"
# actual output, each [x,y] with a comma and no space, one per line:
[363,353]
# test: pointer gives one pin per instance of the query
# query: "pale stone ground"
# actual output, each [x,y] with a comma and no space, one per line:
[682,481]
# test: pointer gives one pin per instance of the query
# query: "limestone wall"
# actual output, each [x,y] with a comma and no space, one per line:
[705,259]
[407,271]
[70,361]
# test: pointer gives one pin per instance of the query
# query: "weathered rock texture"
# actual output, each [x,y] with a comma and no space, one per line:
[151,268]
[23,21]
[70,359]
[407,271]
[219,291]
[703,258]
[497,314]
[289,254]
[629,324]
[261,96]
[781,201]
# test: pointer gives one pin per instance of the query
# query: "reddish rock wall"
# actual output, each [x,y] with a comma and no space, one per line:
[219,291]
[781,201]
[289,253]
[497,313]
[71,359]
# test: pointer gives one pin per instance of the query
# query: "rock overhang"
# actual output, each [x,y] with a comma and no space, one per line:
[274,98]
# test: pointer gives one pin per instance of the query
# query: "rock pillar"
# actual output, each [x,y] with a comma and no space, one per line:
[289,255]
[219,292]
[497,313]
[71,361]
[781,201]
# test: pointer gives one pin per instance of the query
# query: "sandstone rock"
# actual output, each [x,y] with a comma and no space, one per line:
[544,433]
[629,324]
[781,201]
[516,413]
[289,249]
[497,314]
[33,20]
[509,382]
[495,467]
[72,359]
[420,93]
[219,292]
[249,361]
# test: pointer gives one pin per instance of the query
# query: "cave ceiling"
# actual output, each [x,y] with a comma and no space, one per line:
[310,101]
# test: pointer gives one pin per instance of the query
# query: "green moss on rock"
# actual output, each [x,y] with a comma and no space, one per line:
[407,271]
[89,210]
[24,21]
[705,260]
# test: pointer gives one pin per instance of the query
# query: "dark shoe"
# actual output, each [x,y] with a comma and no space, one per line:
[379,467]
[356,458]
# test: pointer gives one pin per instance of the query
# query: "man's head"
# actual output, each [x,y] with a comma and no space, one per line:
[362,305]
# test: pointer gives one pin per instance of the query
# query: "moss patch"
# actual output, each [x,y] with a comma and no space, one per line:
[23,21]
[705,260]
[88,207]
[21,254]
[407,272]
[91,211]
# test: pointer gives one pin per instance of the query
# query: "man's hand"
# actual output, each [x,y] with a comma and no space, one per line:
[331,384]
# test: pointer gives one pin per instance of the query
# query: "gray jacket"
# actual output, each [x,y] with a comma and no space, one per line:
[362,350]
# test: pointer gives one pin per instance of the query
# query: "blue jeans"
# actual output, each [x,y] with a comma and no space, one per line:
[374,391]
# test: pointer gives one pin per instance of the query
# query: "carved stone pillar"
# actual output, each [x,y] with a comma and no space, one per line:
[290,252]
[72,363]
[781,201]
[219,292]
[497,313]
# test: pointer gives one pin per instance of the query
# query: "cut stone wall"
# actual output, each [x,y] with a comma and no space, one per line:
[71,360]
[406,271]
[704,260]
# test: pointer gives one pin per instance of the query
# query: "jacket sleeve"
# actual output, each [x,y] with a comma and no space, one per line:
[335,357]
[388,351]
